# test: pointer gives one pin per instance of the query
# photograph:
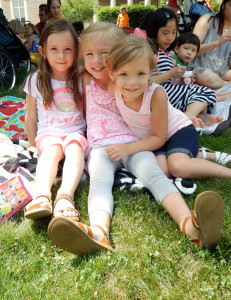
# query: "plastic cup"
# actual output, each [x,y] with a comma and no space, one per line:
[187,78]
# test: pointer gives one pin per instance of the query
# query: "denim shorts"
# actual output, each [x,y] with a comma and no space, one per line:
[185,140]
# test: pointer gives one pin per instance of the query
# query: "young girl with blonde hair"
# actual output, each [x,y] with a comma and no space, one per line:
[53,98]
[105,128]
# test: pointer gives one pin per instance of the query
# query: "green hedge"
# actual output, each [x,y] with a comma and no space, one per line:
[135,12]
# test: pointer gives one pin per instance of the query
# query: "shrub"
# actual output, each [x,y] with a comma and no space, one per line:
[216,5]
[135,12]
[79,10]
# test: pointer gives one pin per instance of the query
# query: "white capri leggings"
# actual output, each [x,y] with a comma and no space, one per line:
[143,165]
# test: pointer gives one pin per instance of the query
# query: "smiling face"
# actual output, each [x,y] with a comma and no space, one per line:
[55,9]
[132,79]
[186,52]
[59,52]
[167,35]
[94,53]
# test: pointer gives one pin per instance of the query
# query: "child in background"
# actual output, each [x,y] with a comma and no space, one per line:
[196,102]
[105,128]
[18,29]
[54,100]
[187,46]
[186,49]
[123,19]
[33,38]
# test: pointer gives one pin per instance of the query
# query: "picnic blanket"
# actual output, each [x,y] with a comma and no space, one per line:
[12,117]
[222,109]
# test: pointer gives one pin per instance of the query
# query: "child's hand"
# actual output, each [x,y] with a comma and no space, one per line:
[178,71]
[117,151]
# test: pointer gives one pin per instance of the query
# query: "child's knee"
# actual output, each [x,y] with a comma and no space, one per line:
[177,168]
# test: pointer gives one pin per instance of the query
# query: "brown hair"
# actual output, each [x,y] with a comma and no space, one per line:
[32,26]
[128,49]
[44,70]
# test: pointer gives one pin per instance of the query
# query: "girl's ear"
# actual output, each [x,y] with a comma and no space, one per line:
[176,49]
[40,49]
[111,75]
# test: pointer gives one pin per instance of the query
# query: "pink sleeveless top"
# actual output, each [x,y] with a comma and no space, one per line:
[141,122]
[105,125]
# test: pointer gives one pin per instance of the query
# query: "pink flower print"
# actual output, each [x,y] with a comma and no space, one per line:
[104,131]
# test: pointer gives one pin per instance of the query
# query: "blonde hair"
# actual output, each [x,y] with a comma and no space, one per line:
[101,30]
[16,26]
[122,7]
[128,49]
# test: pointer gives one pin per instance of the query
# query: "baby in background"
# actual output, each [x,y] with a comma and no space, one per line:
[186,49]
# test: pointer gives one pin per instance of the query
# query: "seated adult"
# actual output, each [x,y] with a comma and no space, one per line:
[214,32]
[43,16]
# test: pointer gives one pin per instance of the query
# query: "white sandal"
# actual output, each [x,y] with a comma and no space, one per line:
[222,158]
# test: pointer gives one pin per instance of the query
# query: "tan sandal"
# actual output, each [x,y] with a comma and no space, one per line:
[40,209]
[69,208]
[207,217]
[76,237]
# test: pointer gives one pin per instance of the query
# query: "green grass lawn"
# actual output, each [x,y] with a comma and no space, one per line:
[152,259]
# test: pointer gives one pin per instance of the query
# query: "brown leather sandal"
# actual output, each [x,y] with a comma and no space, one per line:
[39,209]
[207,217]
[69,208]
[76,237]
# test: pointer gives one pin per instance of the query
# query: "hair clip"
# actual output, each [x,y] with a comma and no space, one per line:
[167,14]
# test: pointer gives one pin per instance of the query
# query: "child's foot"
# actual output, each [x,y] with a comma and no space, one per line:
[222,96]
[207,219]
[197,122]
[76,237]
[64,206]
[39,207]
[210,120]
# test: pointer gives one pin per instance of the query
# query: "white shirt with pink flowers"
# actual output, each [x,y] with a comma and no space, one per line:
[105,125]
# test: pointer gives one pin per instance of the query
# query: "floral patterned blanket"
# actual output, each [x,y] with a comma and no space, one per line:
[12,117]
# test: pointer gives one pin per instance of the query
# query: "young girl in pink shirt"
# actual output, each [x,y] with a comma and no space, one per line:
[106,129]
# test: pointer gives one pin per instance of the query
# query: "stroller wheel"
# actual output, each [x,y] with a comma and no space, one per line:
[7,72]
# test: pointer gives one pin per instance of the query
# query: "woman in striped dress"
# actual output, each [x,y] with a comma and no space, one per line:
[196,101]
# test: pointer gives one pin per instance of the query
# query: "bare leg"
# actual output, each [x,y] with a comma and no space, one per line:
[209,79]
[47,169]
[181,165]
[193,111]
[162,162]
[178,210]
[72,172]
[195,108]
[222,96]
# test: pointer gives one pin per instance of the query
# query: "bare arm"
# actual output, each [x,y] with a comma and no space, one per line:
[30,41]
[201,30]
[159,111]
[31,119]
[176,72]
